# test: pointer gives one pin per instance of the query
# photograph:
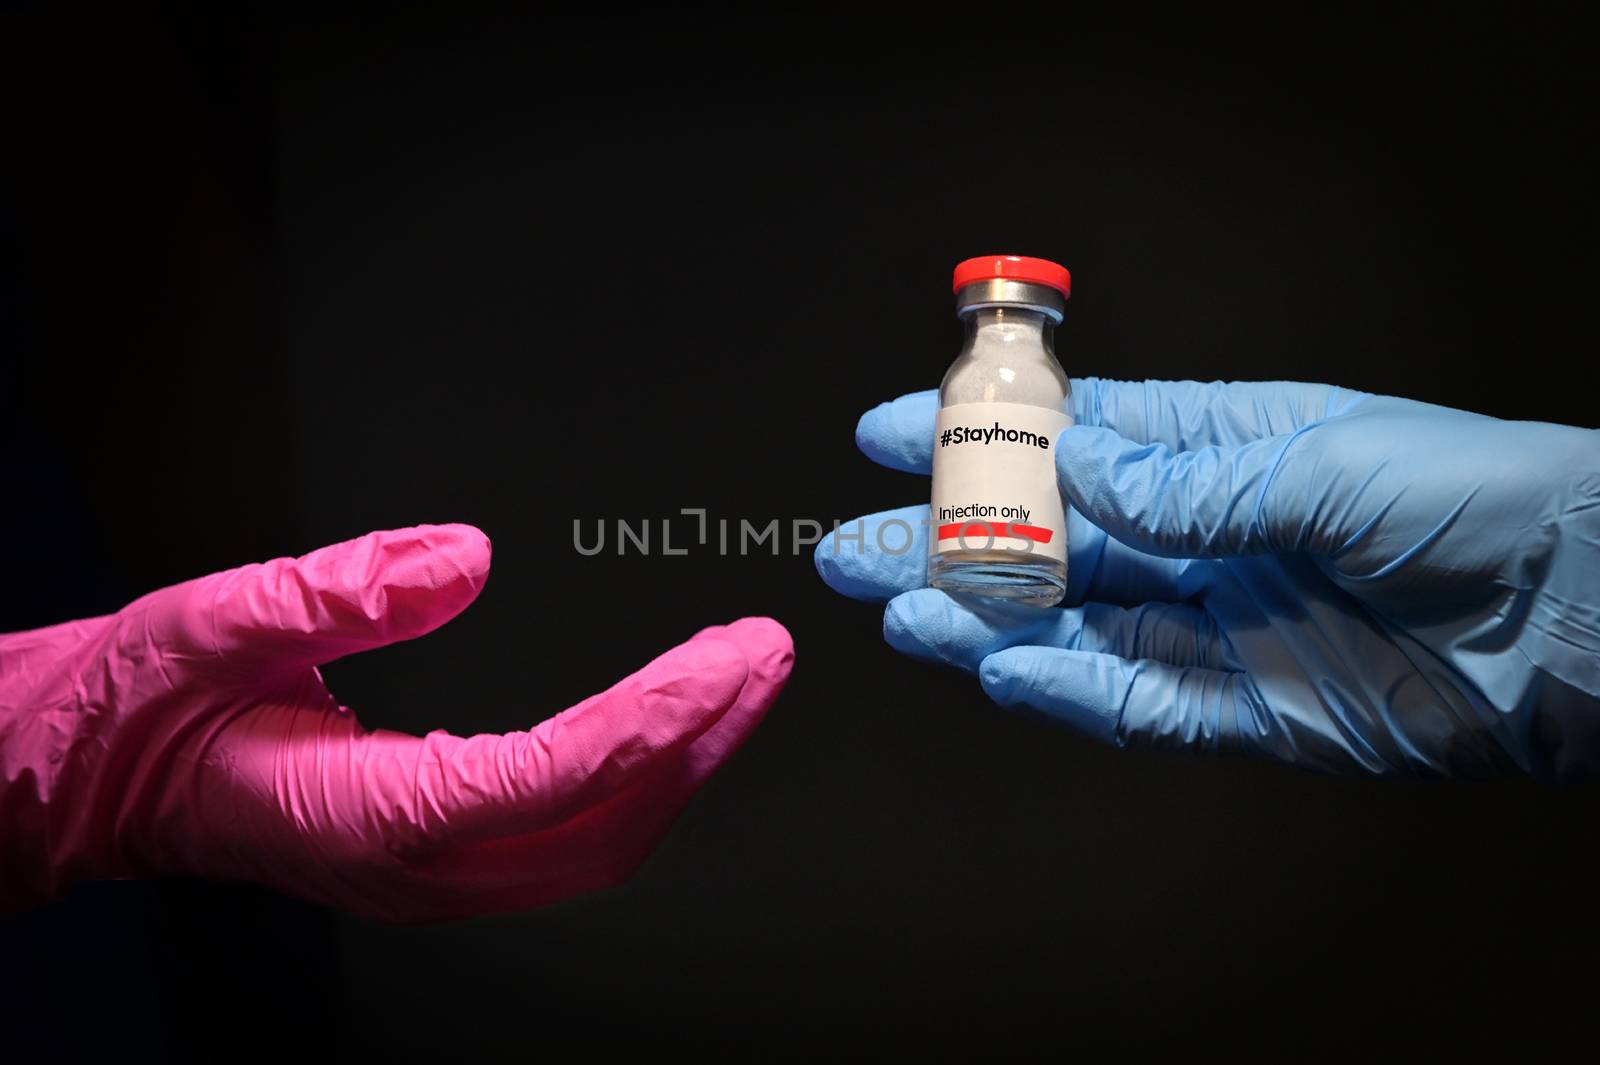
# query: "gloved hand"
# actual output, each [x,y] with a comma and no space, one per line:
[190,733]
[1334,579]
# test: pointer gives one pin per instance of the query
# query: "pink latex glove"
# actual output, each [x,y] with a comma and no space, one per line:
[190,733]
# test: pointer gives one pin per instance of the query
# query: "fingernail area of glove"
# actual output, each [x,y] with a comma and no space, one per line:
[703,673]
[1013,679]
[766,645]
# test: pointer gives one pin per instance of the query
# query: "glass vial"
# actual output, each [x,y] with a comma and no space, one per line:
[998,525]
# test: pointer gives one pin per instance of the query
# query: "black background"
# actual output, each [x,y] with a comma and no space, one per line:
[279,281]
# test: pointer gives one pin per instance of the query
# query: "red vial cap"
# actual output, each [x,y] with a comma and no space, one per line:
[1013,268]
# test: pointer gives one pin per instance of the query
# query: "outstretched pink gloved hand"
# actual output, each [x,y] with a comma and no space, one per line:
[190,733]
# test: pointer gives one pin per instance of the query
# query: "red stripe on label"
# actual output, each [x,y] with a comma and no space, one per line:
[980,531]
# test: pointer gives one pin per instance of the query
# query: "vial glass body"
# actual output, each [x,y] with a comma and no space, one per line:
[998,526]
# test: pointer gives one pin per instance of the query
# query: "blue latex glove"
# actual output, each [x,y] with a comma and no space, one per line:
[1334,579]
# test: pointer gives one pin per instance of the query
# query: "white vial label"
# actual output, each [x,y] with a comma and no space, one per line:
[994,480]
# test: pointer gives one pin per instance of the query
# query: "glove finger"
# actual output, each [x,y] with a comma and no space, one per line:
[879,556]
[899,434]
[604,844]
[1117,573]
[1189,415]
[296,612]
[1174,633]
[1121,701]
[769,650]
[962,631]
[1213,503]
[1184,415]
[457,790]
[876,557]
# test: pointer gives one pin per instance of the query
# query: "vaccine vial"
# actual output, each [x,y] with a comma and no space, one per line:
[998,526]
